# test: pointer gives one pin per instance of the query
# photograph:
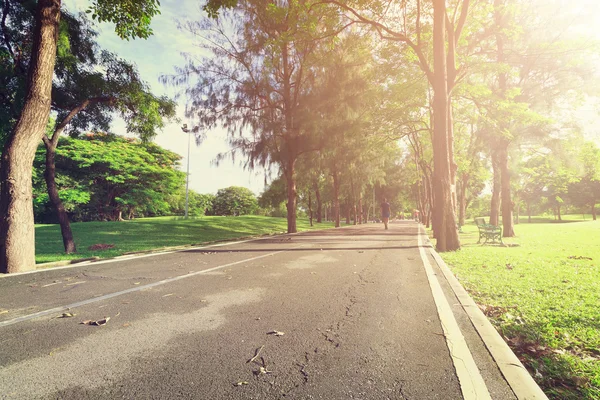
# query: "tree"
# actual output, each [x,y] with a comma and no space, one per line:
[274,195]
[585,191]
[121,90]
[234,200]
[132,19]
[537,71]
[256,79]
[111,177]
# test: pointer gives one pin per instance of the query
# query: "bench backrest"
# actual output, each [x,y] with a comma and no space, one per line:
[479,221]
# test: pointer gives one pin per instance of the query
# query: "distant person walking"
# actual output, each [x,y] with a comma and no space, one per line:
[385,212]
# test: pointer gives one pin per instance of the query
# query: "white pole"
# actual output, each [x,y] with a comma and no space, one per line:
[187,180]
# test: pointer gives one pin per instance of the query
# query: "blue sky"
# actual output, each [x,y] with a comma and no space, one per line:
[158,55]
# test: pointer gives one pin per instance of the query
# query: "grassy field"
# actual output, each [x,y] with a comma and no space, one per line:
[154,233]
[542,292]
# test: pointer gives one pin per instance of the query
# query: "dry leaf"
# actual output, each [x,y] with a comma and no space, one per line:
[3,311]
[67,315]
[276,333]
[136,283]
[99,322]
[262,371]
[241,383]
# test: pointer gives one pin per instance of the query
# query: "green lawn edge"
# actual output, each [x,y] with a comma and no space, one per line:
[155,234]
[542,293]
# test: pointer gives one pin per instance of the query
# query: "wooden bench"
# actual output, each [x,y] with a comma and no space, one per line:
[488,232]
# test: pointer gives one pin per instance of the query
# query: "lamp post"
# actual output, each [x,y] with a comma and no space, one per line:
[187,176]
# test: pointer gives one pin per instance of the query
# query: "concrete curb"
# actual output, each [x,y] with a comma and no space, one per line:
[517,377]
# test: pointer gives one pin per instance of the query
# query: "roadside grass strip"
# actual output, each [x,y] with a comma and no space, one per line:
[112,239]
[542,293]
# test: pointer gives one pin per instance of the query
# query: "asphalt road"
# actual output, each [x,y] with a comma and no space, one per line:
[354,306]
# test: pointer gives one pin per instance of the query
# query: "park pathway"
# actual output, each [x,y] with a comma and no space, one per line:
[351,313]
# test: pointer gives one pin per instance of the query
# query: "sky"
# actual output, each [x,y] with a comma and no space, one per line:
[158,55]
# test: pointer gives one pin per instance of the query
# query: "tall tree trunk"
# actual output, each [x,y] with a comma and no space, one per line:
[17,247]
[347,212]
[353,202]
[444,220]
[507,220]
[507,204]
[336,199]
[319,203]
[57,204]
[558,211]
[496,189]
[594,212]
[290,178]
[310,211]
[462,209]
[360,210]
[453,165]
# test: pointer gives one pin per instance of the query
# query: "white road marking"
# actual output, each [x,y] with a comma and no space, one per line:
[472,384]
[131,290]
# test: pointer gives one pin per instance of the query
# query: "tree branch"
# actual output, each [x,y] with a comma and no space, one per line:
[53,141]
[390,35]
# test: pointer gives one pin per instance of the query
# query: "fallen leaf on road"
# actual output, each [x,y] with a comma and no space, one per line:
[256,354]
[136,283]
[276,333]
[262,371]
[125,325]
[241,383]
[167,295]
[67,315]
[99,322]
[3,311]
[74,283]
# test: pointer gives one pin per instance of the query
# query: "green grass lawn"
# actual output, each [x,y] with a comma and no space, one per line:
[542,293]
[154,233]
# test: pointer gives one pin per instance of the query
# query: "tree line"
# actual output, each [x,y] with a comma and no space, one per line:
[330,91]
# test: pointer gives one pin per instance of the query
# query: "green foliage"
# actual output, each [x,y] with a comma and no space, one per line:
[234,200]
[274,194]
[131,17]
[106,177]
